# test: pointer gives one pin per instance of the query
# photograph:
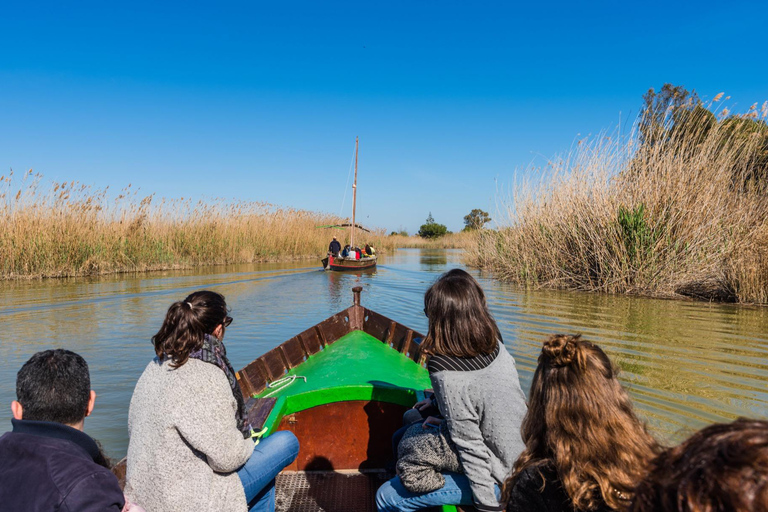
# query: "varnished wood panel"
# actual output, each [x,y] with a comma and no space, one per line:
[344,435]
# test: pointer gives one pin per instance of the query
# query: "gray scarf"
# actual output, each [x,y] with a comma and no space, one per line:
[213,352]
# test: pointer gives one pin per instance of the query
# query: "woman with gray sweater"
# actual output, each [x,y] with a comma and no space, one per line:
[190,446]
[478,393]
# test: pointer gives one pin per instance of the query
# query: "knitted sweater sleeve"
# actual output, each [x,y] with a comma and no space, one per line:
[208,421]
[463,424]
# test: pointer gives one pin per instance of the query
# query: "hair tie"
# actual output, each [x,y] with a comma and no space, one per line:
[189,304]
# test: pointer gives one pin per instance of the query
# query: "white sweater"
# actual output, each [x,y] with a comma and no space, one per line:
[184,443]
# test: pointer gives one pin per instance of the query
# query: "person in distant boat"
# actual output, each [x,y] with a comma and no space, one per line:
[335,247]
[358,253]
[723,467]
[368,250]
[575,389]
[478,393]
[190,445]
[345,252]
[48,462]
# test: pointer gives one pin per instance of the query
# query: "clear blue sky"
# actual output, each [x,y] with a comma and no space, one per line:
[262,100]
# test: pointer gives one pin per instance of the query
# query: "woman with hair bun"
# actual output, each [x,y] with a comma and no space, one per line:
[585,449]
[190,446]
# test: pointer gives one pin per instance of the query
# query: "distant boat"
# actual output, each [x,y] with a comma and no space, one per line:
[340,263]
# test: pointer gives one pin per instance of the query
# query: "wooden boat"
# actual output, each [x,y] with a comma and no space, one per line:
[339,263]
[341,387]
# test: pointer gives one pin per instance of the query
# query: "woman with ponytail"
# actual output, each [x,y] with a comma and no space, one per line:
[190,446]
[585,450]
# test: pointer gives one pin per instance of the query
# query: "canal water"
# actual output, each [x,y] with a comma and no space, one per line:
[686,364]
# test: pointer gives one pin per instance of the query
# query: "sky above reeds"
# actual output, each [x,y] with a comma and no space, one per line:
[262,100]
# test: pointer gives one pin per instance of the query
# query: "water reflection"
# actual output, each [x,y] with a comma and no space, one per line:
[686,364]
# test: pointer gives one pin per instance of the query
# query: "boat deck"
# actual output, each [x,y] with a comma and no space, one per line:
[328,491]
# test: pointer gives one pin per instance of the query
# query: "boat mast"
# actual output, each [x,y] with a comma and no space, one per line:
[354,199]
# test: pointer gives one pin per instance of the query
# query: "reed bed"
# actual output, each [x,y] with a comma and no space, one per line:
[685,214]
[460,240]
[70,229]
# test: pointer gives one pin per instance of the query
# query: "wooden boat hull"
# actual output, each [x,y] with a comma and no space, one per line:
[341,387]
[345,264]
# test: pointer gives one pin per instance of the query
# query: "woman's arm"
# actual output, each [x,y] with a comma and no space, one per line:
[208,421]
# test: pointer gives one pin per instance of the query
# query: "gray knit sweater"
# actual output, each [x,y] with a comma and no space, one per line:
[422,455]
[483,405]
[184,443]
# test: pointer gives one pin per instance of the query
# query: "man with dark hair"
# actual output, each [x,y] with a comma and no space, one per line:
[334,247]
[48,462]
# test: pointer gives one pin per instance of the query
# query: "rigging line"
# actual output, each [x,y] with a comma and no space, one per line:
[351,163]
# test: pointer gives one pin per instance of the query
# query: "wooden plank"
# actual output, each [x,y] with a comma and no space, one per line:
[335,327]
[273,362]
[293,352]
[400,338]
[414,350]
[256,375]
[257,410]
[376,325]
[311,341]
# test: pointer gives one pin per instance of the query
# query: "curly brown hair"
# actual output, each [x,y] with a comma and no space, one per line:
[723,467]
[581,423]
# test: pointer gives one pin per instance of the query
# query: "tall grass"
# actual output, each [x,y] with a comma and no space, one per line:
[69,229]
[684,215]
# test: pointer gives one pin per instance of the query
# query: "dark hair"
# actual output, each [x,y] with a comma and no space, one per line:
[460,323]
[54,385]
[580,422]
[186,324]
[723,467]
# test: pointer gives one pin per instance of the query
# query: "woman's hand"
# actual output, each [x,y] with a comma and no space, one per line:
[431,422]
[423,404]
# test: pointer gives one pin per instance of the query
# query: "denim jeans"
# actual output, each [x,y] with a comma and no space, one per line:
[393,497]
[269,457]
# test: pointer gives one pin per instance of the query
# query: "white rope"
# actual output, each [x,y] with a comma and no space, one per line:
[344,200]
[282,383]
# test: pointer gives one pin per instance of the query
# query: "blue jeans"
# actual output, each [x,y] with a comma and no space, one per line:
[393,497]
[269,457]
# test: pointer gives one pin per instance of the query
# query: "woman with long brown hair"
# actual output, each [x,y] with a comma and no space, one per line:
[585,449]
[190,446]
[477,392]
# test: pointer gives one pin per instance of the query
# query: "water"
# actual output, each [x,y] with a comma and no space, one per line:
[687,364]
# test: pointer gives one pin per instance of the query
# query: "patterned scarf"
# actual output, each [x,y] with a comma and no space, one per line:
[213,352]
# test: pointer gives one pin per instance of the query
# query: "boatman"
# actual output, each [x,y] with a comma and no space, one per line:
[335,247]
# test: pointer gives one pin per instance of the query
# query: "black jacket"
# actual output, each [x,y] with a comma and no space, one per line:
[335,247]
[52,467]
[527,495]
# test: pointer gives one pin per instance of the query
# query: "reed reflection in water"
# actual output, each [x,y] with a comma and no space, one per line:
[686,364]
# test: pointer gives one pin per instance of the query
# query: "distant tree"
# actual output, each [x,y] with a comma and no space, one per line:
[660,108]
[432,229]
[400,232]
[678,117]
[476,219]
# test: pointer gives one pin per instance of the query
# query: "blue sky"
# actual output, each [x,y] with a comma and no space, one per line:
[262,101]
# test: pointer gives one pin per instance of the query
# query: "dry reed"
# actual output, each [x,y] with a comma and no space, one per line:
[69,229]
[680,216]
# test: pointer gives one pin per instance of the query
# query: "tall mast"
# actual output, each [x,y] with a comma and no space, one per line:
[354,199]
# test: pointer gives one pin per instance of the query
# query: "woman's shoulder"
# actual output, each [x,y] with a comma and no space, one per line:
[192,375]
